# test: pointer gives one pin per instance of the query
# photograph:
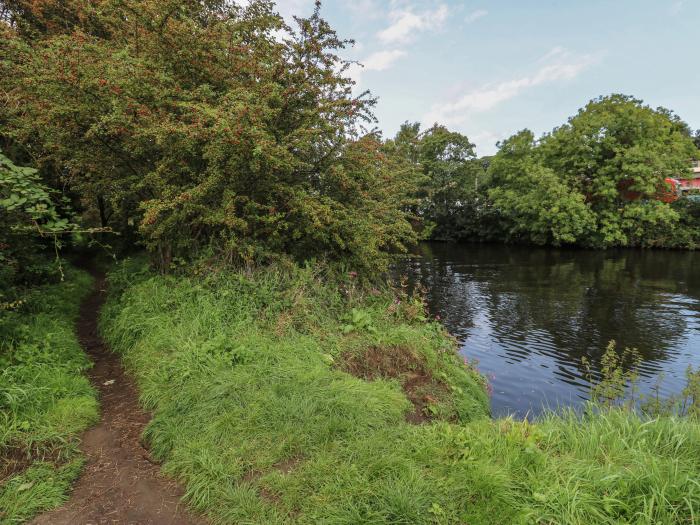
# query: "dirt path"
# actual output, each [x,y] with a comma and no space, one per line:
[120,484]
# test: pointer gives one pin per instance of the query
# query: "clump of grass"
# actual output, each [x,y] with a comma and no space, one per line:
[45,398]
[264,408]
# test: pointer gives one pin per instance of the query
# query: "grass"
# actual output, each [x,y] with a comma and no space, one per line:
[264,409]
[45,399]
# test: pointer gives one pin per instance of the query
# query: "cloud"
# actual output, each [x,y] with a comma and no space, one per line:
[379,61]
[475,15]
[289,8]
[367,9]
[557,65]
[406,23]
[486,141]
[382,60]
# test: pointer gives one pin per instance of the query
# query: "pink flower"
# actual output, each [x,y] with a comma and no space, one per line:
[352,275]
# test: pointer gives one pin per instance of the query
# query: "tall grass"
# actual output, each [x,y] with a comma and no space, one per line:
[45,399]
[254,413]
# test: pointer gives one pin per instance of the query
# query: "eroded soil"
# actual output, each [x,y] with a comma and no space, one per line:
[397,362]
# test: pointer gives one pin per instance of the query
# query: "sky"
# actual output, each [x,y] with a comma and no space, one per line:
[489,68]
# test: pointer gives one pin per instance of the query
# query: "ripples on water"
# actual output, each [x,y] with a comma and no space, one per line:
[529,315]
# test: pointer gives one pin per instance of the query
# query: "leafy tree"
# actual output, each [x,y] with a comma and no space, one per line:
[597,180]
[448,191]
[613,148]
[537,205]
[198,124]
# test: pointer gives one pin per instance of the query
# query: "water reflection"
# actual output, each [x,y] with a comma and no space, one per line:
[530,314]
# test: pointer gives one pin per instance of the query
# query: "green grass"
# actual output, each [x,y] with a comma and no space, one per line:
[45,399]
[254,413]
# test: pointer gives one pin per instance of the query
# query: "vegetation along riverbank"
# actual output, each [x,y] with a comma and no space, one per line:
[226,161]
[282,397]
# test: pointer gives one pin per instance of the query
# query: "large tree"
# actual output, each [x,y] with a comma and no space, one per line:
[209,125]
[598,180]
[450,176]
[535,203]
[618,152]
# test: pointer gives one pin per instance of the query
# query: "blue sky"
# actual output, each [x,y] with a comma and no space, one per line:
[490,68]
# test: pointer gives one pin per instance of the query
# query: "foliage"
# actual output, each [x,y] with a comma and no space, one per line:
[45,400]
[252,413]
[29,217]
[597,181]
[536,202]
[616,145]
[449,191]
[618,372]
[617,383]
[242,144]
[691,393]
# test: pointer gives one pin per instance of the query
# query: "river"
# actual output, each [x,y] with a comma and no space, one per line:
[528,315]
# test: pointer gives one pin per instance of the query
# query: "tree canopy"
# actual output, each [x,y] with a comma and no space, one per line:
[210,127]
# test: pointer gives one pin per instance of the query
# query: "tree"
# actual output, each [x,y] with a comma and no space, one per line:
[30,221]
[613,148]
[199,124]
[447,192]
[536,204]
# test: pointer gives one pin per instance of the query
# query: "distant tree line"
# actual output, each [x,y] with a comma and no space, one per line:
[599,181]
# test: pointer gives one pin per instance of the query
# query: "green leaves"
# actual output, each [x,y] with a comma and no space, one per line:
[596,181]
[206,132]
[31,202]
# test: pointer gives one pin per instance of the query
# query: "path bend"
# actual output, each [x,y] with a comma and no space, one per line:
[120,484]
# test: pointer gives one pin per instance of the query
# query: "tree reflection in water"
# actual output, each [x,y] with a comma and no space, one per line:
[530,314]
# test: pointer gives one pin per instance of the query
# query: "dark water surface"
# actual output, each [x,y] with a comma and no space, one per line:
[529,315]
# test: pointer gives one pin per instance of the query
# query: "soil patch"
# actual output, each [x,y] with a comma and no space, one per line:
[120,483]
[401,363]
[15,460]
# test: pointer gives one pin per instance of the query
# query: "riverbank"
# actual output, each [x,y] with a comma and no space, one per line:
[46,400]
[281,396]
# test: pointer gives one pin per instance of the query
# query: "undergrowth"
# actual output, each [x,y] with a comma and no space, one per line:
[264,408]
[45,399]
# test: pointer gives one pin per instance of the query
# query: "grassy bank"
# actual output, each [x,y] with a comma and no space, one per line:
[45,398]
[281,398]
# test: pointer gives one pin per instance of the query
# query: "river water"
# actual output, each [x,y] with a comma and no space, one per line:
[528,315]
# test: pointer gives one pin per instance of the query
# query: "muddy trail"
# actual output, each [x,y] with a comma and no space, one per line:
[120,483]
